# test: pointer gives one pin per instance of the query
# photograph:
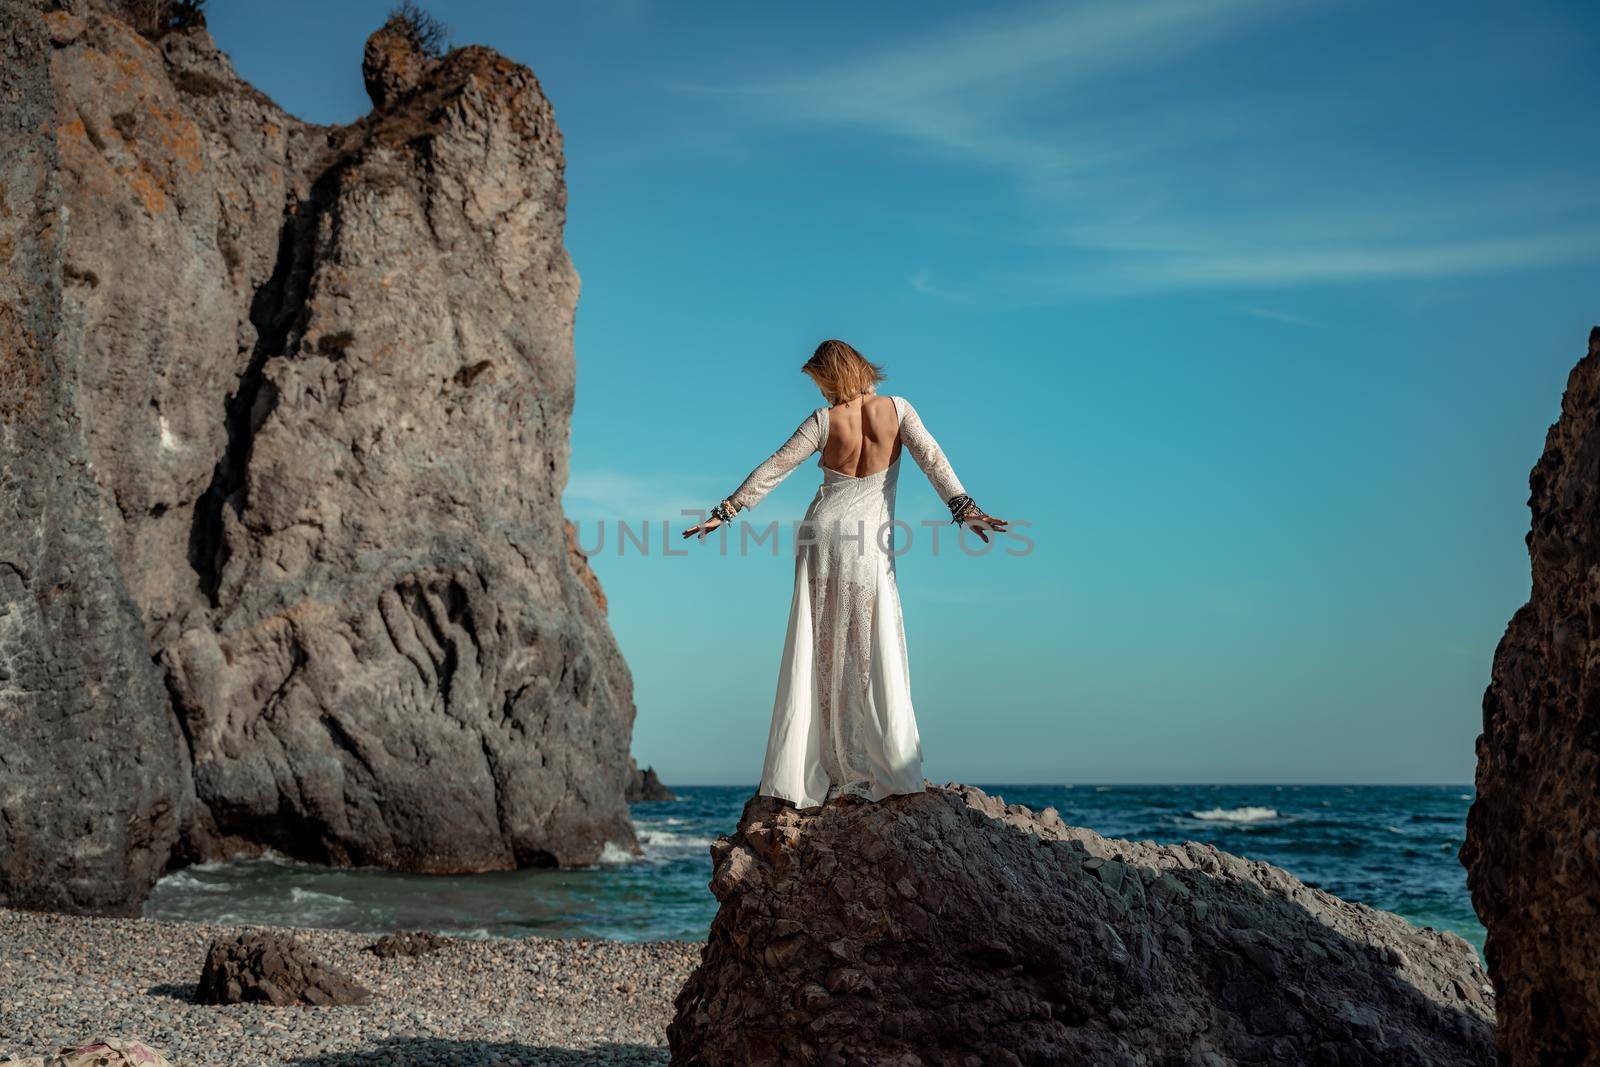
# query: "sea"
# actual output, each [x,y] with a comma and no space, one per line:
[1393,847]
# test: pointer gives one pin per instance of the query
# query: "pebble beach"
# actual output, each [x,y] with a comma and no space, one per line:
[529,1001]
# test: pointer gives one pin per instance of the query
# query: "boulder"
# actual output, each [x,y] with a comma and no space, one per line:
[394,61]
[1533,833]
[949,928]
[284,420]
[406,943]
[272,968]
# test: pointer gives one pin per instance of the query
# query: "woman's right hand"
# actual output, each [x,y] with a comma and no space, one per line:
[702,528]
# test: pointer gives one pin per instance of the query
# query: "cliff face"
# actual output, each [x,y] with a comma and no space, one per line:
[1533,834]
[950,929]
[286,426]
[93,776]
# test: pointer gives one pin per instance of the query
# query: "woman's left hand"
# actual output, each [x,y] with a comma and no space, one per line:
[980,523]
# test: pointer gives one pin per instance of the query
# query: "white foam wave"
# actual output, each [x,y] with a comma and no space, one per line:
[311,896]
[614,854]
[664,840]
[183,880]
[1245,814]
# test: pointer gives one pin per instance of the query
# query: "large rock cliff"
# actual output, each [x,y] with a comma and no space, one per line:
[285,432]
[1533,834]
[950,929]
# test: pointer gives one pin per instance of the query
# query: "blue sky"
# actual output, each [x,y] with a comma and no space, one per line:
[1256,311]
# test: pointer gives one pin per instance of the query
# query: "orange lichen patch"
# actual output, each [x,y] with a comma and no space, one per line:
[74,130]
[63,27]
[168,147]
[179,136]
[120,74]
[147,187]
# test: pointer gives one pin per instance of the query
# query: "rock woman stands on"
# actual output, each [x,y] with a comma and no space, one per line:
[842,723]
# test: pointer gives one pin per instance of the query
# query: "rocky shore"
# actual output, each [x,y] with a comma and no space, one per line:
[64,979]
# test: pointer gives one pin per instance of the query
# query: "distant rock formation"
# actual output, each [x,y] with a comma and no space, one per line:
[285,431]
[1533,834]
[949,928]
[645,784]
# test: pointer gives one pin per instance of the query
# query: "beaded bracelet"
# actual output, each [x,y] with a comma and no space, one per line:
[961,506]
[724,511]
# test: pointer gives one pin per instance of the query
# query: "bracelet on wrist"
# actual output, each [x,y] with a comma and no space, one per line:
[962,506]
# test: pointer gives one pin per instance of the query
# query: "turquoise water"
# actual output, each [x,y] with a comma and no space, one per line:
[1393,847]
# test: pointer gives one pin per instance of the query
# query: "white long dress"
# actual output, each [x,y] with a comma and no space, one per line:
[842,722]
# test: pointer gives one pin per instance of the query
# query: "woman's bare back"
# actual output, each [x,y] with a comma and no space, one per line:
[863,436]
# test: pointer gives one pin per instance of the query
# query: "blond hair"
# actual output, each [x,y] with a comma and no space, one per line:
[841,372]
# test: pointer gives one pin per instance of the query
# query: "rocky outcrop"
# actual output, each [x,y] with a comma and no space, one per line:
[272,968]
[645,784]
[949,928]
[1533,833]
[285,433]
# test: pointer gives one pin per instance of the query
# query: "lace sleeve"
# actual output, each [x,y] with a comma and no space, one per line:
[926,451]
[806,439]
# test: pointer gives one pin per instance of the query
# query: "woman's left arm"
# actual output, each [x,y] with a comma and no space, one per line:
[931,458]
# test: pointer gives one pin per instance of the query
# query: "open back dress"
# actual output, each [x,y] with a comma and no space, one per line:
[842,722]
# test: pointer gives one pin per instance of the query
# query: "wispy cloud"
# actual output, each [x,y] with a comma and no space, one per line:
[1128,183]
[1277,315]
[625,495]
[1273,267]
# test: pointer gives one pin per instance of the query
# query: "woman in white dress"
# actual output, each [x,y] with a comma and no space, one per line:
[842,724]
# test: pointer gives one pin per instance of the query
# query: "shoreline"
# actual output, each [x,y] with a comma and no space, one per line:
[535,1000]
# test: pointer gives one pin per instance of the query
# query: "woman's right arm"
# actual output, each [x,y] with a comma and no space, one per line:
[805,440]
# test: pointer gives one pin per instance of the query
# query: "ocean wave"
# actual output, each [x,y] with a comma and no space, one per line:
[614,854]
[663,839]
[311,896]
[183,880]
[1245,814]
[668,846]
